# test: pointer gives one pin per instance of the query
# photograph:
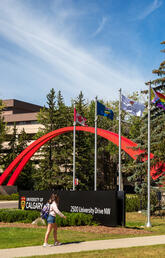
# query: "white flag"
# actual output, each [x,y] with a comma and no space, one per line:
[132,107]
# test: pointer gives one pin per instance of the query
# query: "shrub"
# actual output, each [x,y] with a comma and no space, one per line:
[14,196]
[15,215]
[135,202]
[28,216]
[75,219]
[132,202]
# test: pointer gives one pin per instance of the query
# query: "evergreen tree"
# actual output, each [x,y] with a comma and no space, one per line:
[158,121]
[131,169]
[63,145]
[2,135]
[139,168]
[84,164]
[2,125]
[12,151]
[43,177]
[25,181]
[107,153]
[55,163]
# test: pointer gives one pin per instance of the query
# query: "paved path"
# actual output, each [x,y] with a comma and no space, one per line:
[82,246]
[8,204]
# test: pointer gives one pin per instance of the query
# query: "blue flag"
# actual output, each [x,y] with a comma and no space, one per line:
[104,111]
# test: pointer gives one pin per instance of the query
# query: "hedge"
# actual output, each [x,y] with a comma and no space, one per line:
[133,202]
[28,216]
[16,215]
[14,196]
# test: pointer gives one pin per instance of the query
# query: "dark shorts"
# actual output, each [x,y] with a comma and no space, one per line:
[51,219]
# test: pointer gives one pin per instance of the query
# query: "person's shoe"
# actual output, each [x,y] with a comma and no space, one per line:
[46,245]
[57,243]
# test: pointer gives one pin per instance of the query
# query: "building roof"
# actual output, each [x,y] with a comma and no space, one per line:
[14,106]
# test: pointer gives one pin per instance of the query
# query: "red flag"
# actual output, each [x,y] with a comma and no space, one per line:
[79,119]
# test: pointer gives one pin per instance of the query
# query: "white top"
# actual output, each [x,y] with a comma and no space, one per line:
[54,210]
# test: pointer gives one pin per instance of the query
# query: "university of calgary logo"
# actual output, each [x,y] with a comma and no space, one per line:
[23,201]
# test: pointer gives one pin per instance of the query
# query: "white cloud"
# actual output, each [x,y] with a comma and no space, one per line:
[49,53]
[100,27]
[150,9]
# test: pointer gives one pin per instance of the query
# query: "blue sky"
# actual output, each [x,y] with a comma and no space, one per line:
[93,46]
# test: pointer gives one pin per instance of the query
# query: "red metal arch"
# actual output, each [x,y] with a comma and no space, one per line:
[25,155]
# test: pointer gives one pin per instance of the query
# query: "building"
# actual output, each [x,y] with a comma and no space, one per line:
[22,114]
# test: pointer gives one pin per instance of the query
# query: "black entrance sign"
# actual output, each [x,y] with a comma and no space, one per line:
[107,207]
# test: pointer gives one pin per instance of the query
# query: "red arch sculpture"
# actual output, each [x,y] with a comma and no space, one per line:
[21,160]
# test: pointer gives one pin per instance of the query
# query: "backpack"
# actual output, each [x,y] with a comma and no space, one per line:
[45,211]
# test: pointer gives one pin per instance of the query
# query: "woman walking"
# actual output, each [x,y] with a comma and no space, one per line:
[53,210]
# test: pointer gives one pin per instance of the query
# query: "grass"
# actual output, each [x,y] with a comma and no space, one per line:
[138,220]
[156,251]
[21,237]
[12,237]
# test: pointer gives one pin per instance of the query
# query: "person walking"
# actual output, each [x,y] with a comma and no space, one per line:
[53,210]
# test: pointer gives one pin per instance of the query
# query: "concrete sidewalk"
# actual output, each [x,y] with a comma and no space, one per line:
[82,246]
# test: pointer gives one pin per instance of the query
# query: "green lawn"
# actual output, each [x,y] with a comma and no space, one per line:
[19,237]
[138,220]
[157,251]
[16,237]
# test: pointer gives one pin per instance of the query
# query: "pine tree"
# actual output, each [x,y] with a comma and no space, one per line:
[46,117]
[25,181]
[12,151]
[2,125]
[158,121]
[2,135]
[55,163]
[84,168]
[107,153]
[139,168]
[63,145]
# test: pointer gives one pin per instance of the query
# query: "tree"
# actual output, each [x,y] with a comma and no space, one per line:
[62,146]
[158,120]
[54,166]
[2,125]
[107,152]
[25,181]
[2,134]
[12,147]
[46,117]
[139,176]
[84,150]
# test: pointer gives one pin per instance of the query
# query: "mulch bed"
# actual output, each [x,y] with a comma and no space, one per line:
[92,229]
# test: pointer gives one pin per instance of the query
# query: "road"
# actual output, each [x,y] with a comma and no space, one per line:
[8,204]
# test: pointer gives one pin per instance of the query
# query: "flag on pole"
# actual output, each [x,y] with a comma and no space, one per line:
[158,98]
[132,107]
[104,111]
[79,119]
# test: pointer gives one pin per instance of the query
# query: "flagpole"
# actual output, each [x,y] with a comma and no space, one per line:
[74,147]
[95,175]
[149,139]
[120,140]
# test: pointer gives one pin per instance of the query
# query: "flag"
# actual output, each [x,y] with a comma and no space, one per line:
[158,98]
[79,119]
[132,107]
[104,111]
